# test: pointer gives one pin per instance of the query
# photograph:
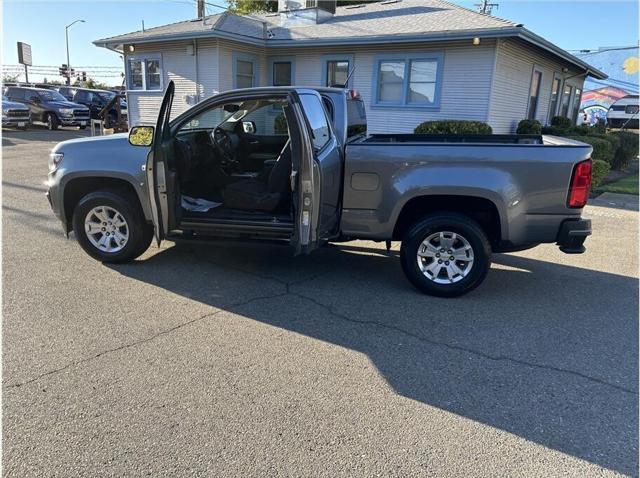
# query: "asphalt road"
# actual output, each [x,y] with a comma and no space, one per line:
[236,360]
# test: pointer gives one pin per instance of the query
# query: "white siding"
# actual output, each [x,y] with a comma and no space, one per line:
[208,79]
[515,61]
[466,81]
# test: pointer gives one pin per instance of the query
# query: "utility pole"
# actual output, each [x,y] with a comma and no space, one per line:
[200,8]
[66,34]
[485,7]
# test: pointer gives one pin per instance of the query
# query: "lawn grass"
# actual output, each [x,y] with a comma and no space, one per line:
[628,185]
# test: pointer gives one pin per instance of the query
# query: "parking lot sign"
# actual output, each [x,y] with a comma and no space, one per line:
[24,53]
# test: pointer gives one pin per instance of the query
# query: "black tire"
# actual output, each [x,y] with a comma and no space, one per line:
[140,232]
[52,122]
[449,222]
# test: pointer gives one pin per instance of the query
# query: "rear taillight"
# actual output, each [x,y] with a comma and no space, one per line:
[580,184]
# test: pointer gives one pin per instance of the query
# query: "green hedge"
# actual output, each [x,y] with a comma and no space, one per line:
[602,149]
[529,126]
[628,149]
[561,123]
[453,127]
[599,171]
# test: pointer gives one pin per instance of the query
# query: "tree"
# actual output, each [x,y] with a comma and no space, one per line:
[7,78]
[244,7]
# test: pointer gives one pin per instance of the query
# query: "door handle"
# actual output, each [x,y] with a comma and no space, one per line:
[254,142]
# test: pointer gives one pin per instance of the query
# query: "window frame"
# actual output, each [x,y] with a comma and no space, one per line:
[282,59]
[250,58]
[530,115]
[348,57]
[143,58]
[407,59]
[550,113]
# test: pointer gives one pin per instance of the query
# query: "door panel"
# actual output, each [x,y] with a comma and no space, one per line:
[157,168]
[328,164]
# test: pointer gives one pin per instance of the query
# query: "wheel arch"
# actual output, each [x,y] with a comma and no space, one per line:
[482,209]
[77,187]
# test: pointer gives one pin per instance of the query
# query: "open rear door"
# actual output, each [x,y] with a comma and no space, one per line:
[157,161]
[314,202]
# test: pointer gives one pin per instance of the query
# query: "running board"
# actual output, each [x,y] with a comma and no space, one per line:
[235,227]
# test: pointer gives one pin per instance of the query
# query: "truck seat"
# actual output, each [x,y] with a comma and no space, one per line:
[259,194]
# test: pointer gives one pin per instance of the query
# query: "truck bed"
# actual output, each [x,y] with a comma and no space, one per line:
[491,139]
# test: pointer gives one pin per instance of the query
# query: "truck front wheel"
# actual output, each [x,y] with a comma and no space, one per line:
[445,254]
[110,228]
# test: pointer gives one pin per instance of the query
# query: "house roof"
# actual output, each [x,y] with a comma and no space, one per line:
[372,23]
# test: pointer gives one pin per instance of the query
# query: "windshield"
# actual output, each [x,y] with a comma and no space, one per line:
[106,95]
[51,95]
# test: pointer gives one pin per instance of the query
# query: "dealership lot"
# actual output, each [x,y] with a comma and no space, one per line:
[239,360]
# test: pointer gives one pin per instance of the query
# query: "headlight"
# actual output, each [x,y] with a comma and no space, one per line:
[5,112]
[66,111]
[54,161]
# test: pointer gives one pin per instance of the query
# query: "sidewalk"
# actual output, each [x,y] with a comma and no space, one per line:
[617,201]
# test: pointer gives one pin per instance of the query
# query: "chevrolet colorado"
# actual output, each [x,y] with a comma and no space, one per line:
[296,165]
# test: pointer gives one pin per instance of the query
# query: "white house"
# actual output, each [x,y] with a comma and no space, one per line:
[411,60]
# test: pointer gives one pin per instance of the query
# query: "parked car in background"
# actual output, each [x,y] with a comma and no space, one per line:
[50,107]
[15,114]
[624,113]
[96,100]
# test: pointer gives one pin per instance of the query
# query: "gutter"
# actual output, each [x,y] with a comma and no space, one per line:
[448,35]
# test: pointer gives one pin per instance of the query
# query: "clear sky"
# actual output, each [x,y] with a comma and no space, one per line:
[572,25]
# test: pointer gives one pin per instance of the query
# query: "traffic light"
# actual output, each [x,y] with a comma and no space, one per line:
[63,70]
[84,76]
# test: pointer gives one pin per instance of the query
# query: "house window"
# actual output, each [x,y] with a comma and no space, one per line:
[282,71]
[555,94]
[244,74]
[408,81]
[577,97]
[337,72]
[566,99]
[145,73]
[534,93]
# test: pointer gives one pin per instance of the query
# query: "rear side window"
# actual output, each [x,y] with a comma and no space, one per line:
[356,118]
[15,94]
[317,119]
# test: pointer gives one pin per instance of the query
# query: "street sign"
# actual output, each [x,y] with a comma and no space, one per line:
[24,54]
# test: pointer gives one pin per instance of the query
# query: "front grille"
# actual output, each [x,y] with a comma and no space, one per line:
[81,113]
[18,114]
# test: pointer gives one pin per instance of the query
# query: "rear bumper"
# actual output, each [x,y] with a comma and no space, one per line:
[572,234]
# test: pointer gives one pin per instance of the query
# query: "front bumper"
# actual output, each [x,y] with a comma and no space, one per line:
[18,122]
[572,234]
[75,121]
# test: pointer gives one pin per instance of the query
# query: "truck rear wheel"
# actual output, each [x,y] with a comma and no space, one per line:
[445,254]
[110,228]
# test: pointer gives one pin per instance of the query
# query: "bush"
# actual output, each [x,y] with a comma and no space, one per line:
[554,131]
[529,126]
[599,171]
[280,124]
[602,149]
[453,127]
[600,127]
[628,149]
[561,123]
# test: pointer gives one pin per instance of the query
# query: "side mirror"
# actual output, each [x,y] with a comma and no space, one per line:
[141,136]
[249,127]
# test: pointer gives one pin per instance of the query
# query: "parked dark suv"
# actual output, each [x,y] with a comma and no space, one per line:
[50,107]
[95,100]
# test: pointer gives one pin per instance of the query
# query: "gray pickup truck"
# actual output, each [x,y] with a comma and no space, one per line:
[296,165]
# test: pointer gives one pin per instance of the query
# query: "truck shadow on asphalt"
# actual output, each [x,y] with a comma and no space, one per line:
[543,351]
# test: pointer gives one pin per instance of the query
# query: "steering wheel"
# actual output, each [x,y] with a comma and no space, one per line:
[222,141]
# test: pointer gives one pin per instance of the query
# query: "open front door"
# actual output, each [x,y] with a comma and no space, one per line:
[157,161]
[316,171]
